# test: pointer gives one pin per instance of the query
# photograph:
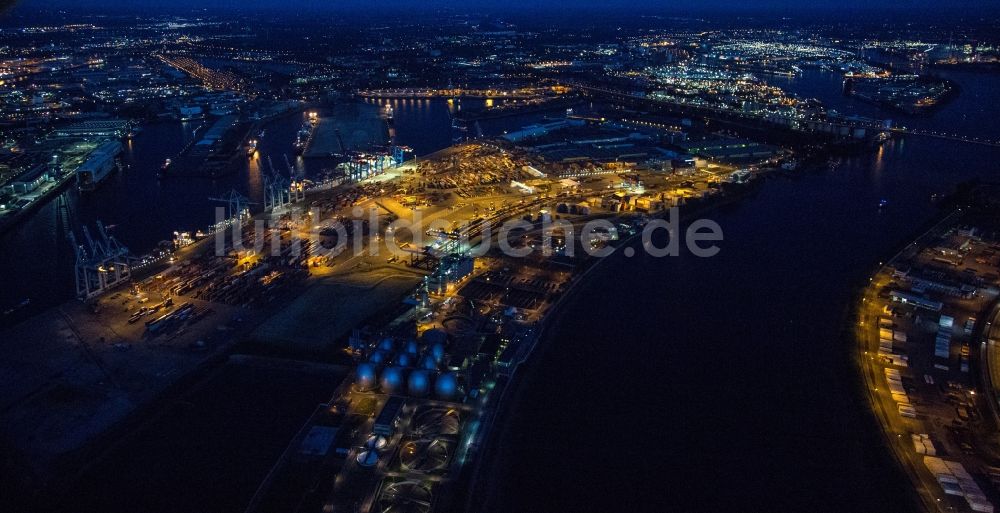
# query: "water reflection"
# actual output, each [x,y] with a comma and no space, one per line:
[255,179]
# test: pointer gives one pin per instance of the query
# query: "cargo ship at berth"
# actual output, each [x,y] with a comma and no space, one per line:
[98,166]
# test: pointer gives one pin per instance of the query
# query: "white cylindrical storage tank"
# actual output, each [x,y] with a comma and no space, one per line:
[376,442]
[418,383]
[392,380]
[364,376]
[446,385]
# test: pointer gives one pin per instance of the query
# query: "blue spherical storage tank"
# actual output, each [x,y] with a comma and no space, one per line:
[428,362]
[412,347]
[404,359]
[386,345]
[364,376]
[437,351]
[419,383]
[446,385]
[377,358]
[392,380]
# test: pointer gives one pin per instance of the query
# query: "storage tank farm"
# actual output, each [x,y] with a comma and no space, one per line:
[411,367]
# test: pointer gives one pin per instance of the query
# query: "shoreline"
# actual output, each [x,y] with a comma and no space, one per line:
[919,464]
[14,219]
[864,382]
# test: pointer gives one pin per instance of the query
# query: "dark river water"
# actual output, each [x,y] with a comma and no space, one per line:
[726,383]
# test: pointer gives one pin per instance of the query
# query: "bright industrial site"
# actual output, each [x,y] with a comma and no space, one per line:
[430,258]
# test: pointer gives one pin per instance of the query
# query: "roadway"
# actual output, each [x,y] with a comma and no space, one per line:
[894,427]
[934,393]
[990,359]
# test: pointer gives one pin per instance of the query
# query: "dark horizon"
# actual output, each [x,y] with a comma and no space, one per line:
[780,8]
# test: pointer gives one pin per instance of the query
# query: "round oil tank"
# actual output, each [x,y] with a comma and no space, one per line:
[437,352]
[386,344]
[376,442]
[419,383]
[392,380]
[412,347]
[404,359]
[367,458]
[446,385]
[364,376]
[428,362]
[377,358]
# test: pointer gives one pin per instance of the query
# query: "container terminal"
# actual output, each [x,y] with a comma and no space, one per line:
[927,335]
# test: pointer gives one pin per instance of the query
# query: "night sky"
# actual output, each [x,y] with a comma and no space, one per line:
[500,5]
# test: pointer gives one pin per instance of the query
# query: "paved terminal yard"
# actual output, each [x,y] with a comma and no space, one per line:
[72,373]
[190,444]
[927,342]
[331,307]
